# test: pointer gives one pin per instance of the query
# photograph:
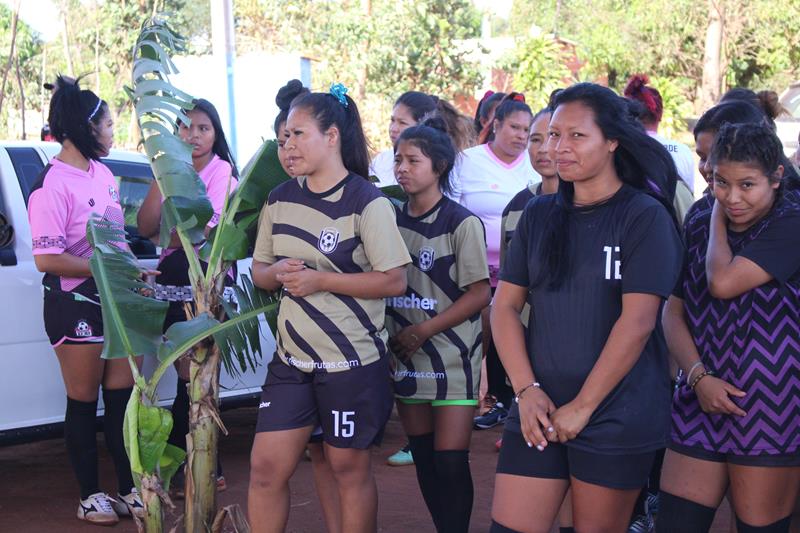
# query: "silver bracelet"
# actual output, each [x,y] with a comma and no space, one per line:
[691,370]
[534,385]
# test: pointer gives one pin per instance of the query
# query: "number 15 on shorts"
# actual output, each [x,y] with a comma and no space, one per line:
[343,424]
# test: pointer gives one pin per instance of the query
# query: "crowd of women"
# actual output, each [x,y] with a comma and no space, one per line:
[642,349]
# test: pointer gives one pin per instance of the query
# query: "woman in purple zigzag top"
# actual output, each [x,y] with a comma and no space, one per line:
[734,328]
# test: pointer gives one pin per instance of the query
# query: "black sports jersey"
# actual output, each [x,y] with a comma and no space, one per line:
[628,244]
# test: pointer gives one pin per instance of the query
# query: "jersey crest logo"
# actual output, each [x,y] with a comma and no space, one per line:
[83,329]
[112,192]
[426,258]
[328,240]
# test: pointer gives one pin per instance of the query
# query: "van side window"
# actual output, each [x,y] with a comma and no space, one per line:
[134,181]
[27,165]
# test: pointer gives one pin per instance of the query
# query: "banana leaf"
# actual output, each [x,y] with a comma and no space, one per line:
[260,176]
[132,321]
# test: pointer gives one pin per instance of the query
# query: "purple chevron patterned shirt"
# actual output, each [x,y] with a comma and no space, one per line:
[752,341]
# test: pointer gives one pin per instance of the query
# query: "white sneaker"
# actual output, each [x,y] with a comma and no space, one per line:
[97,509]
[128,505]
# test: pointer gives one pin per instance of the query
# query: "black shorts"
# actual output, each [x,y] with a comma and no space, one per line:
[352,406]
[734,459]
[71,321]
[558,461]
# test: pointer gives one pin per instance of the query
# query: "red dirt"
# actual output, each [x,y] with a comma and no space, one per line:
[38,492]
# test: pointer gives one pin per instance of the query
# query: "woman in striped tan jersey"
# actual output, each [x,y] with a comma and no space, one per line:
[732,325]
[329,239]
[323,477]
[435,327]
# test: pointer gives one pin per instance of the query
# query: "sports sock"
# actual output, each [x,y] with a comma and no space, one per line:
[116,400]
[422,451]
[500,528]
[679,515]
[79,435]
[180,416]
[455,484]
[781,526]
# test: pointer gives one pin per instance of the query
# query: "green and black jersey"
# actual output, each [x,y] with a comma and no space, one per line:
[349,229]
[448,250]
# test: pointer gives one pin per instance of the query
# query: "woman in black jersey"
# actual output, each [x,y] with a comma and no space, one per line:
[595,261]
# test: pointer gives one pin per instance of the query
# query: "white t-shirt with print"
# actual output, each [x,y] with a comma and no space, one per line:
[682,155]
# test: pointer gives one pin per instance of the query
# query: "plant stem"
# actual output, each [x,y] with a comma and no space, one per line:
[201,479]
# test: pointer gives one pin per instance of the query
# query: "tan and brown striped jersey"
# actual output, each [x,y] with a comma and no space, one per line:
[511,215]
[348,229]
[448,250]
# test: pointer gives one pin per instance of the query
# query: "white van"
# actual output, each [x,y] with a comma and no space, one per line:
[32,395]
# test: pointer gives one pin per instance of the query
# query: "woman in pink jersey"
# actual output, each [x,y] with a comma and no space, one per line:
[72,187]
[213,161]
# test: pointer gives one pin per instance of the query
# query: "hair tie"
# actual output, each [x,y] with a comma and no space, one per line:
[339,91]
[518,97]
[487,95]
[93,113]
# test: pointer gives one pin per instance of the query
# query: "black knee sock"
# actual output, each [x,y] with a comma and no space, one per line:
[500,528]
[679,515]
[116,401]
[180,416]
[422,451]
[455,484]
[79,434]
[781,526]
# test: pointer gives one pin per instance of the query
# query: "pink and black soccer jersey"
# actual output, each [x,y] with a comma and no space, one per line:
[348,229]
[751,341]
[447,247]
[61,203]
[173,283]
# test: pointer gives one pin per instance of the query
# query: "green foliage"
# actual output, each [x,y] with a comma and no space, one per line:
[417,46]
[539,68]
[28,49]
[149,452]
[116,272]
[160,107]
[676,107]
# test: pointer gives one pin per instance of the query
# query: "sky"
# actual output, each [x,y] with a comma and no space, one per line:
[42,15]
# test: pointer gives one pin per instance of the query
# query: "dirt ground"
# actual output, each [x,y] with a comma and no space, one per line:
[38,492]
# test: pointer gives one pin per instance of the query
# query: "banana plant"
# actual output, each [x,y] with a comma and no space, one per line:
[215,332]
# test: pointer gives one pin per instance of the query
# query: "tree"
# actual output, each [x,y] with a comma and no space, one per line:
[20,84]
[539,67]
[133,321]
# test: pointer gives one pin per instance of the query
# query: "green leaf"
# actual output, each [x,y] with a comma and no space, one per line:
[242,345]
[155,424]
[169,463]
[180,332]
[132,322]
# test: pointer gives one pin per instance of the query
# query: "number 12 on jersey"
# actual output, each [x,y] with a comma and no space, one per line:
[343,424]
[610,251]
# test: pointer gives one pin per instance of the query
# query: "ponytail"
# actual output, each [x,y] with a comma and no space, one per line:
[340,111]
[73,115]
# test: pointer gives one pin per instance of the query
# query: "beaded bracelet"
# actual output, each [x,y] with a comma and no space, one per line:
[700,376]
[692,369]
[518,395]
